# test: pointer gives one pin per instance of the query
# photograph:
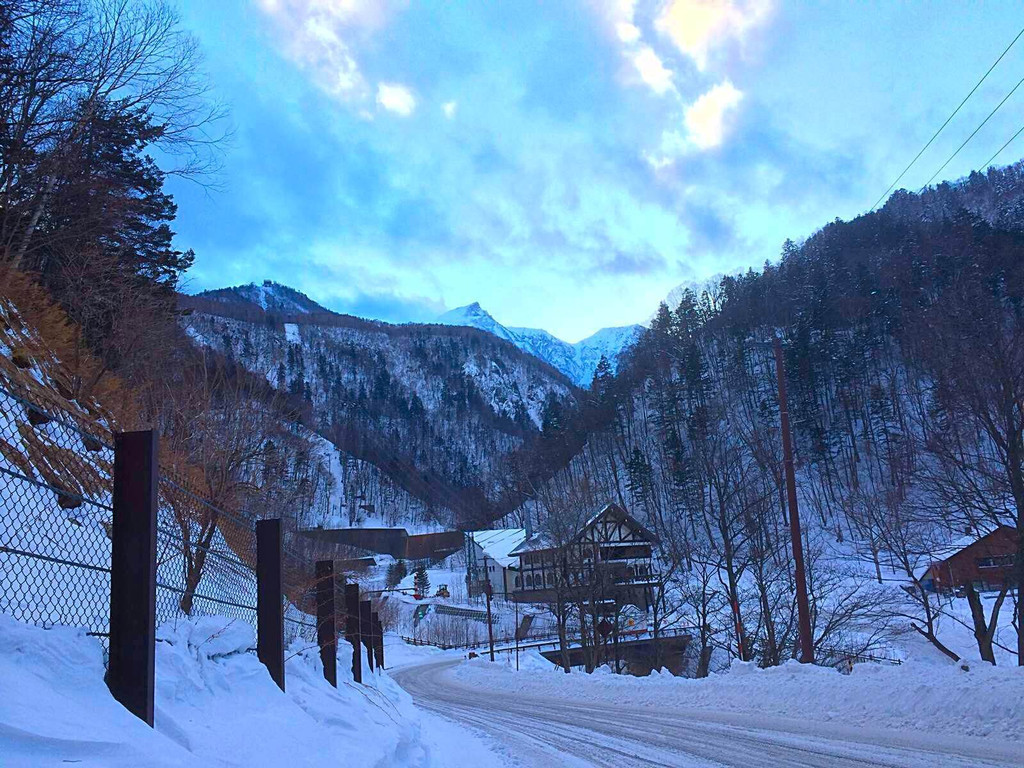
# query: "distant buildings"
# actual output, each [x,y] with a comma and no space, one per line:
[987,563]
[488,560]
[610,560]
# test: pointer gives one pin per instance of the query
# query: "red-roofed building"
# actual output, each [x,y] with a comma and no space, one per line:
[987,563]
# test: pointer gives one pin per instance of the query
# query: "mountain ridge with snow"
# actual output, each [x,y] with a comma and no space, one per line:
[577,361]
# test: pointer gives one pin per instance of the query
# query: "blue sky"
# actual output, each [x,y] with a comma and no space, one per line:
[567,163]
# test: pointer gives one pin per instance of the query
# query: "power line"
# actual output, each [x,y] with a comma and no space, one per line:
[941,127]
[975,131]
[1000,151]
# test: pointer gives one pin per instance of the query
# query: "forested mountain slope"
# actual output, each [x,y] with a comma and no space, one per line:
[903,336]
[423,416]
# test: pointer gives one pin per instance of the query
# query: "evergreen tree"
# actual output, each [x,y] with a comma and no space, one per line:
[420,580]
[396,572]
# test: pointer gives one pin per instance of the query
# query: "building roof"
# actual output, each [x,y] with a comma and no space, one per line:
[536,543]
[950,550]
[498,544]
[542,541]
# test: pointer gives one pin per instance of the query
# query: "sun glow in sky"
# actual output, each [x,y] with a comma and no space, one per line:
[568,163]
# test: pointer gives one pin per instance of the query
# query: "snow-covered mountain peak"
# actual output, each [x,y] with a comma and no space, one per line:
[475,316]
[268,296]
[577,361]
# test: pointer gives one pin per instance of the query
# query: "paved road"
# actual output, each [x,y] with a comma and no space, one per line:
[543,731]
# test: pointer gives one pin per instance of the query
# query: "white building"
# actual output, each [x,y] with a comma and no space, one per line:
[488,559]
[612,552]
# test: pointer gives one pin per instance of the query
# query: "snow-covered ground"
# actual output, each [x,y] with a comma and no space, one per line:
[215,706]
[936,697]
[917,715]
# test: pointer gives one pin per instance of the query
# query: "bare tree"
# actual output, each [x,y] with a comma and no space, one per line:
[972,348]
[234,460]
[64,60]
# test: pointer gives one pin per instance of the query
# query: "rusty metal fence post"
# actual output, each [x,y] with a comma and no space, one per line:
[366,631]
[352,629]
[130,673]
[269,600]
[326,621]
[378,640]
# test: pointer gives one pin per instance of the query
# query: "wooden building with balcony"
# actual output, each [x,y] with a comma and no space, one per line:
[610,560]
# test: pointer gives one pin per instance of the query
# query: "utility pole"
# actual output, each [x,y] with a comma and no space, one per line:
[517,633]
[490,629]
[802,605]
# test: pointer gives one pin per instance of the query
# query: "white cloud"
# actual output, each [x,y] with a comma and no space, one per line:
[651,70]
[627,32]
[620,19]
[396,98]
[697,27]
[449,108]
[706,118]
[317,35]
[706,122]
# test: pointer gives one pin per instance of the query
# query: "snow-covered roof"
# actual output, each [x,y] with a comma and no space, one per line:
[537,542]
[498,544]
[541,541]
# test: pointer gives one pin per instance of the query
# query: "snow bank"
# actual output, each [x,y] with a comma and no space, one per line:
[55,708]
[215,706]
[986,701]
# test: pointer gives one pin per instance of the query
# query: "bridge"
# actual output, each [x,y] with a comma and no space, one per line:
[636,651]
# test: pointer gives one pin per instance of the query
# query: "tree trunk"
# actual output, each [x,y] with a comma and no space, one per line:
[985,630]
[563,641]
[930,636]
[704,661]
[194,574]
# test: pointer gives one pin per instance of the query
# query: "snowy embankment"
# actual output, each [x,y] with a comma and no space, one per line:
[215,706]
[985,701]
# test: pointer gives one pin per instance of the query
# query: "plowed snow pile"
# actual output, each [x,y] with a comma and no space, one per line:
[215,706]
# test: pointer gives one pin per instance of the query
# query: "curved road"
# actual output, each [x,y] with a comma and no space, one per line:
[535,730]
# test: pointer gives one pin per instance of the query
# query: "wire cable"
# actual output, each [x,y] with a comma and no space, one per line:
[954,113]
[1000,151]
[973,133]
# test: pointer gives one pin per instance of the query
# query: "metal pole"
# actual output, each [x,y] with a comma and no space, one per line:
[490,629]
[378,639]
[615,639]
[517,633]
[269,604]
[326,621]
[366,631]
[352,629]
[802,604]
[131,667]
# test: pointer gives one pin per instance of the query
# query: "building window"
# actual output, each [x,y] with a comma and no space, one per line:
[529,580]
[1005,561]
[519,582]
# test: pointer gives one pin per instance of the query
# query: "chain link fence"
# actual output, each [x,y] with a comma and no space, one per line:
[55,518]
[56,484]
